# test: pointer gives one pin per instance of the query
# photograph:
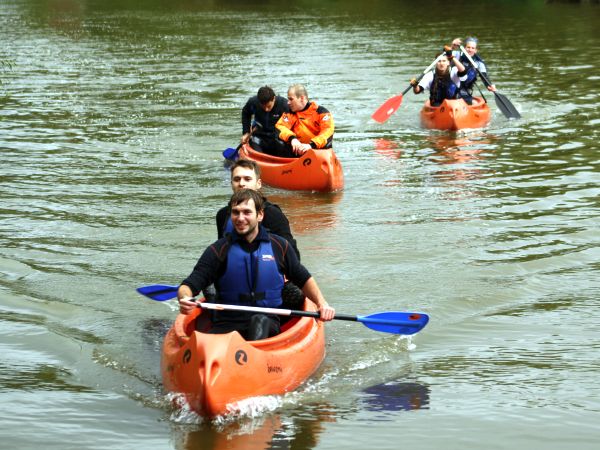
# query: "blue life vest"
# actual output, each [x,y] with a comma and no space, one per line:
[251,278]
[441,89]
[471,72]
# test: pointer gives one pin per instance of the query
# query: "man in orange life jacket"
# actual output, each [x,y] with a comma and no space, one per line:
[306,126]
[248,268]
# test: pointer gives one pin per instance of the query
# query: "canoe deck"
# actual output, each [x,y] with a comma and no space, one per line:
[316,170]
[456,114]
[213,371]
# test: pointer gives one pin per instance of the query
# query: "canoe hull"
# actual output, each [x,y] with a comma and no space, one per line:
[316,170]
[213,371]
[456,114]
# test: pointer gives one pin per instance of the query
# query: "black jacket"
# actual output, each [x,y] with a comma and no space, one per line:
[267,120]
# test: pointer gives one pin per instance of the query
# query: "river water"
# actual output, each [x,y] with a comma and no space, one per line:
[113,117]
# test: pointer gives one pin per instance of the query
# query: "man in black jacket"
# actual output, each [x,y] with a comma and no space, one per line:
[246,174]
[265,108]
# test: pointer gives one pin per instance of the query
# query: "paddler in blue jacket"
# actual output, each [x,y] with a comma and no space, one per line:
[466,86]
[248,268]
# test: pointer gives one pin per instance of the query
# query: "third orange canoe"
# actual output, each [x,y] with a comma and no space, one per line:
[456,114]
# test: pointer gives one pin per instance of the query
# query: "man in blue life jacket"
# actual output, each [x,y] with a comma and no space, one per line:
[466,86]
[248,267]
[246,174]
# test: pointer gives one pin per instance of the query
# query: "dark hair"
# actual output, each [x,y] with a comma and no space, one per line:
[246,164]
[265,94]
[244,195]
[441,77]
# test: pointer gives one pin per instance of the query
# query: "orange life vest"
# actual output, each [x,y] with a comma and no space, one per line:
[313,125]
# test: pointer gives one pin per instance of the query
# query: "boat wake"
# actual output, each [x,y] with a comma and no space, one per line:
[252,407]
[248,408]
[182,413]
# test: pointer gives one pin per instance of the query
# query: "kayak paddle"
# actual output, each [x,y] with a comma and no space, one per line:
[503,103]
[391,105]
[394,322]
[231,153]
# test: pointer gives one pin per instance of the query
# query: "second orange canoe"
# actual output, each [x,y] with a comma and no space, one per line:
[316,170]
[456,114]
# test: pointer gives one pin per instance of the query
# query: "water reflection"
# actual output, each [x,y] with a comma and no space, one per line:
[389,149]
[298,431]
[308,213]
[458,158]
[458,154]
[247,434]
[64,15]
[396,396]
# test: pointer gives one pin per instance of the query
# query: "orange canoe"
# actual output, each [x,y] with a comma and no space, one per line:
[456,114]
[213,371]
[316,170]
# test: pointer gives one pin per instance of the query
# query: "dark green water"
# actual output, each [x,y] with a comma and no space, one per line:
[113,118]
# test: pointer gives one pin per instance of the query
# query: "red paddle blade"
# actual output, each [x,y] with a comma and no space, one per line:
[384,112]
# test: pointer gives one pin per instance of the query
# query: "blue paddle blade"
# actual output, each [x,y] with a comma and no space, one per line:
[232,153]
[229,152]
[395,322]
[159,292]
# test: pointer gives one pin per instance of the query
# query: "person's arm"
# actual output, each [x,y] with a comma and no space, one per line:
[459,66]
[456,43]
[302,278]
[312,291]
[425,83]
[247,112]
[485,78]
[456,61]
[204,274]
[415,85]
[327,128]
[186,301]
[284,126]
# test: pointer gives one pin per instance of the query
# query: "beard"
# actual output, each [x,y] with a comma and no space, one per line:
[250,230]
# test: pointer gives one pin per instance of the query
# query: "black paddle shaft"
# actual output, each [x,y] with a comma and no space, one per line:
[316,315]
